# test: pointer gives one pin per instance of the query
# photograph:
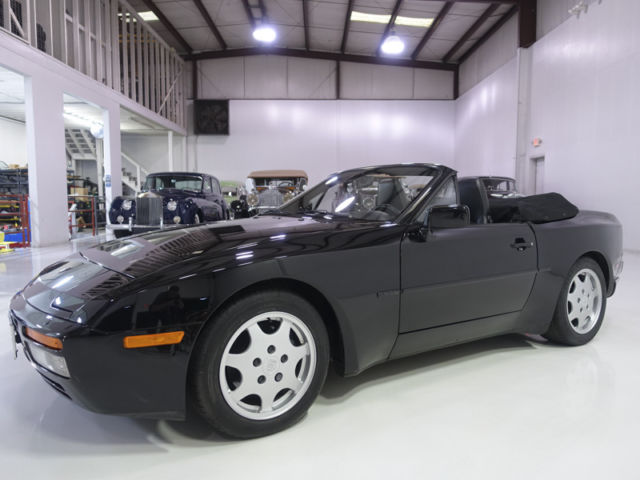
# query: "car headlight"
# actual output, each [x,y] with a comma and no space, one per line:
[126,204]
[45,357]
[172,205]
[288,196]
[252,200]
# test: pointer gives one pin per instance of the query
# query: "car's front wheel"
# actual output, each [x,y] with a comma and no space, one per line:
[260,364]
[581,306]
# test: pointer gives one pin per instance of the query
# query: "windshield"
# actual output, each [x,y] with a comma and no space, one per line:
[499,184]
[180,182]
[283,183]
[373,194]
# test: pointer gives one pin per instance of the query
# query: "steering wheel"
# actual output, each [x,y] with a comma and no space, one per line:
[387,208]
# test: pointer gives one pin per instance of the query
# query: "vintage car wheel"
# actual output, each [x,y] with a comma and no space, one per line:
[582,304]
[259,364]
[196,219]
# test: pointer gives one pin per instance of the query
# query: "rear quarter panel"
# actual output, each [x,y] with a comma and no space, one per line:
[561,244]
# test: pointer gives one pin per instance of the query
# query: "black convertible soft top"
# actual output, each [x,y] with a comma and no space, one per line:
[543,208]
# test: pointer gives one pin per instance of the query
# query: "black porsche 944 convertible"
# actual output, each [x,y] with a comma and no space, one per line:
[241,318]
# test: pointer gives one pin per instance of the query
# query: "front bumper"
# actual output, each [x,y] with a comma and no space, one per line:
[103,376]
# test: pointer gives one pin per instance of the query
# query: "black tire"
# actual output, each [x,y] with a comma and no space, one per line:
[563,328]
[122,233]
[197,219]
[205,387]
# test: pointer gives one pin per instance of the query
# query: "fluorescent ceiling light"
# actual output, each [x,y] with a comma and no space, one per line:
[264,33]
[414,22]
[392,45]
[369,17]
[148,16]
[384,19]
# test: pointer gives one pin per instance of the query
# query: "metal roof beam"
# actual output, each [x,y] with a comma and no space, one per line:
[211,24]
[469,33]
[167,24]
[432,28]
[504,19]
[305,22]
[389,26]
[339,57]
[345,31]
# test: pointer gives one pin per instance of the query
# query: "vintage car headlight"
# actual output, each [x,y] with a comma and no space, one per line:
[172,205]
[120,219]
[176,219]
[252,200]
[126,204]
[288,196]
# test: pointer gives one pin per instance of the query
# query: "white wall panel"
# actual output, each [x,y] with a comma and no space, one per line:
[552,13]
[486,126]
[432,84]
[584,105]
[223,78]
[373,81]
[13,141]
[265,77]
[322,137]
[498,50]
[275,77]
[314,79]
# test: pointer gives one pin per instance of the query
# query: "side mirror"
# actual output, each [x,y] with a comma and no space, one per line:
[447,216]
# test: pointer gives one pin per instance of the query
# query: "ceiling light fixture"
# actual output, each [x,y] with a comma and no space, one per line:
[264,33]
[421,22]
[148,16]
[392,45]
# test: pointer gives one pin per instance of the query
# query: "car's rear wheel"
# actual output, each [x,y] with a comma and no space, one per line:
[581,306]
[260,364]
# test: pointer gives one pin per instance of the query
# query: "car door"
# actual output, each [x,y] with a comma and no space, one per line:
[453,275]
[208,205]
[218,198]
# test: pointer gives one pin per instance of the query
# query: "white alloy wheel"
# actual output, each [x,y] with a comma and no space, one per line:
[584,301]
[267,365]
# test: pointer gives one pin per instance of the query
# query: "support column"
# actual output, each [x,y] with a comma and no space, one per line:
[183,152]
[100,165]
[46,157]
[112,155]
[523,173]
[170,149]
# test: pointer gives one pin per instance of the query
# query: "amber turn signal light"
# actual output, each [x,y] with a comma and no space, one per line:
[153,340]
[46,340]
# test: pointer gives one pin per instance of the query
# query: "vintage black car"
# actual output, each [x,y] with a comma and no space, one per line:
[241,318]
[169,198]
[267,189]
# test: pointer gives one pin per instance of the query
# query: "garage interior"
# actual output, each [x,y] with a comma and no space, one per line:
[96,95]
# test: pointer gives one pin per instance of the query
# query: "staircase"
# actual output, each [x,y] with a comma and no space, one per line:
[133,174]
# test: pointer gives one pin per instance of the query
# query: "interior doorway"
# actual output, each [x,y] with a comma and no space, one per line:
[537,175]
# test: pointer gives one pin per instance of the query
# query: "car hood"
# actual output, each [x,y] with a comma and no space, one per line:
[140,255]
[173,193]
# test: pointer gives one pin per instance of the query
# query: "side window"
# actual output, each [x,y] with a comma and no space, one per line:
[206,185]
[446,195]
[216,186]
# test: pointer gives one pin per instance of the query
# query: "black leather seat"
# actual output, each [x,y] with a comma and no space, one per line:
[473,197]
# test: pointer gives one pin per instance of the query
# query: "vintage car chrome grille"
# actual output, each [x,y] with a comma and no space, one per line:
[148,210]
[270,198]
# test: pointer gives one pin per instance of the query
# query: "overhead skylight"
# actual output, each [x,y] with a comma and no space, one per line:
[400,20]
[148,16]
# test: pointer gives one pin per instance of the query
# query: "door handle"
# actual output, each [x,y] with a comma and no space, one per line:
[520,244]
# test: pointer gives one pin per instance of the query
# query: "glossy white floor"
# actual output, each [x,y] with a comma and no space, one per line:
[509,407]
